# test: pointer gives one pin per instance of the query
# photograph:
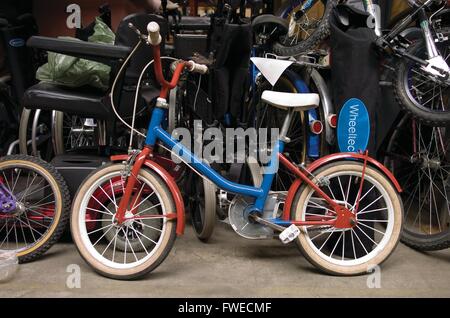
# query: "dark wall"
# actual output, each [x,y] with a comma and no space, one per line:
[10,9]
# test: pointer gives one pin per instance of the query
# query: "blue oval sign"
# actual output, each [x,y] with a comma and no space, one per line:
[18,42]
[353,128]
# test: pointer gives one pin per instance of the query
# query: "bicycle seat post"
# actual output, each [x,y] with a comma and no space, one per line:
[287,123]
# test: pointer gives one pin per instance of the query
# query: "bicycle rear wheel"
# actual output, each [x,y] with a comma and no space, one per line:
[350,251]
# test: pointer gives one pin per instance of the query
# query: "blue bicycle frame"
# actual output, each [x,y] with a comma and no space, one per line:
[156,132]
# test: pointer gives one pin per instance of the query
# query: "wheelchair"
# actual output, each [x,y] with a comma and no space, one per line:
[88,113]
[82,118]
[19,64]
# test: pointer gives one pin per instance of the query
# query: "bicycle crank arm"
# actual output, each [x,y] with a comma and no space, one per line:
[273,226]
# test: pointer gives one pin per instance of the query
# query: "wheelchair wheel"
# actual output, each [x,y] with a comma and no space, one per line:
[35,135]
[46,134]
[71,132]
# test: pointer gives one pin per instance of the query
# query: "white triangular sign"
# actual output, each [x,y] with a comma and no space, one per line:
[271,69]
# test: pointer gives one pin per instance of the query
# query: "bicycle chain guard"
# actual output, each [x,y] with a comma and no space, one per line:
[251,230]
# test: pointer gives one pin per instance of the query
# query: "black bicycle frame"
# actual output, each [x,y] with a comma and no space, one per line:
[404,24]
[420,14]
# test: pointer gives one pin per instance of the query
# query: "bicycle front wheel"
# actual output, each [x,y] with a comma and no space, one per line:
[420,94]
[138,245]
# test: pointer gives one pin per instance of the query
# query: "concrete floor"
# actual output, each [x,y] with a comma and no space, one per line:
[230,266]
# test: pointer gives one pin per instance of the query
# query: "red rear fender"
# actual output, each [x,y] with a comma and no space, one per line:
[329,159]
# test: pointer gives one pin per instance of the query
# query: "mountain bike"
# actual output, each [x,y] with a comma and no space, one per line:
[344,211]
[419,62]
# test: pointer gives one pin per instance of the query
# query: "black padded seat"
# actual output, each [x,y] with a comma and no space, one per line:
[86,102]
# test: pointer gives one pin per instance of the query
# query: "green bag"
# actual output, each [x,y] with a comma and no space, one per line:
[76,72]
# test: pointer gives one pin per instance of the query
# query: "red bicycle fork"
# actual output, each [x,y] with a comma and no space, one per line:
[166,86]
[130,186]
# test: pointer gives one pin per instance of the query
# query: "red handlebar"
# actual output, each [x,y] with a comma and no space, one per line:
[165,85]
[154,39]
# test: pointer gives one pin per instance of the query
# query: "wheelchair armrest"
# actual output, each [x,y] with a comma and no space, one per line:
[103,53]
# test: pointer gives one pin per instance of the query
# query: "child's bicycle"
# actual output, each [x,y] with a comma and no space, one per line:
[34,206]
[344,211]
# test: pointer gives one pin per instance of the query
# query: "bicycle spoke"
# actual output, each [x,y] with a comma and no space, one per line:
[372,228]
[335,245]
[111,200]
[331,233]
[357,236]
[103,235]
[362,198]
[30,227]
[373,202]
[131,247]
[126,245]
[102,205]
[155,206]
[100,229]
[151,227]
[99,211]
[139,238]
[138,196]
[17,179]
[372,211]
[148,197]
[364,232]
[145,236]
[353,244]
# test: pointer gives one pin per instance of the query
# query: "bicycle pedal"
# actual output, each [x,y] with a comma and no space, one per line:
[289,234]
